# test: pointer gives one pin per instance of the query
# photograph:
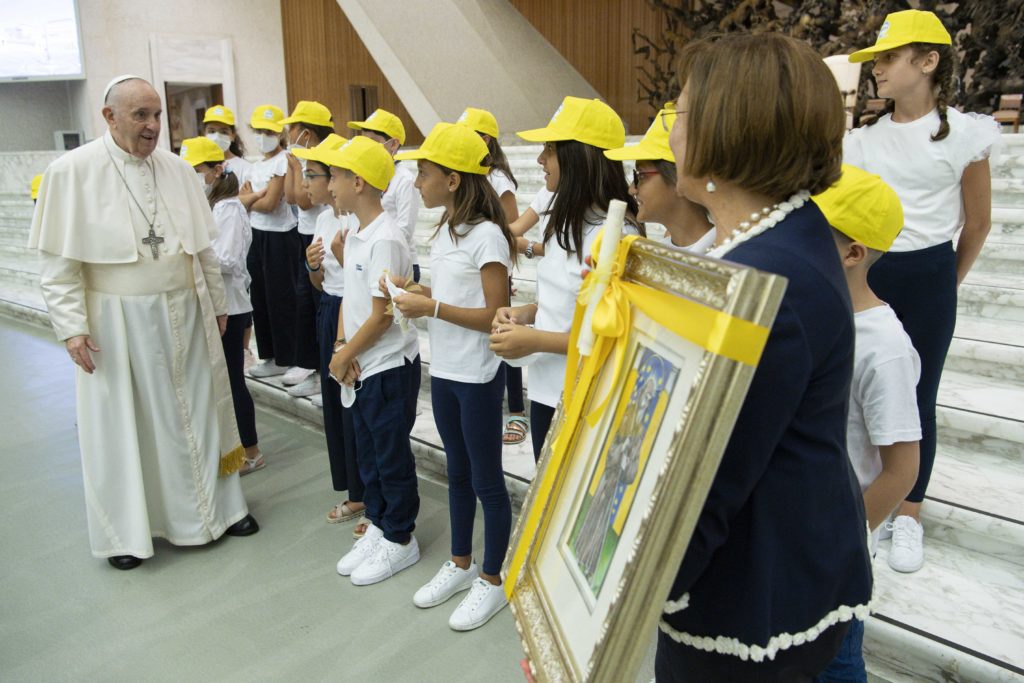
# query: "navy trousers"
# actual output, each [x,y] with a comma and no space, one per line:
[338,427]
[234,355]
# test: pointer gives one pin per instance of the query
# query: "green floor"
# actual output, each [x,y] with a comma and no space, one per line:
[265,608]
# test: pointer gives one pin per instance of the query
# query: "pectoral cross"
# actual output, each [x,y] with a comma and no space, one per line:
[153,242]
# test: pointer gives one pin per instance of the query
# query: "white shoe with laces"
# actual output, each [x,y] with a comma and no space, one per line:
[483,602]
[361,550]
[295,376]
[907,552]
[448,581]
[267,368]
[307,387]
[388,559]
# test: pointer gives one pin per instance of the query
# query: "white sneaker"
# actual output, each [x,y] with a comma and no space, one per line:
[483,602]
[267,368]
[387,560]
[907,552]
[448,581]
[295,375]
[361,549]
[317,400]
[307,387]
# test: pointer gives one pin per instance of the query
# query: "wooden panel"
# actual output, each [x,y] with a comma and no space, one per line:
[324,55]
[595,38]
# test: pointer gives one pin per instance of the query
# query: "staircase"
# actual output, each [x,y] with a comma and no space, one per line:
[961,618]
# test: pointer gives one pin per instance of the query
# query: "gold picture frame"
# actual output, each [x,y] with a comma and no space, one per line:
[607,519]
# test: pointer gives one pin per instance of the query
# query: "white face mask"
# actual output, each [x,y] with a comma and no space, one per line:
[221,140]
[268,143]
[207,187]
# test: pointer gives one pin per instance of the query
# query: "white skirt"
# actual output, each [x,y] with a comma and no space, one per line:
[148,428]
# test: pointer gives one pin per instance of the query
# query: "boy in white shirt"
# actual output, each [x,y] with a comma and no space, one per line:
[883,426]
[379,361]
[401,199]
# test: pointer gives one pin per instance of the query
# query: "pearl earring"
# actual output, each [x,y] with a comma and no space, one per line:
[710,187]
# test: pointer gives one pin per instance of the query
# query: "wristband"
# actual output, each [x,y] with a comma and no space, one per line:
[339,344]
[437,308]
[311,270]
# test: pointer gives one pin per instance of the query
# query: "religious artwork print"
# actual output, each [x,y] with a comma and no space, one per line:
[612,484]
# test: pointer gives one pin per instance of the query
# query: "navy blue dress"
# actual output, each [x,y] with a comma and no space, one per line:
[780,551]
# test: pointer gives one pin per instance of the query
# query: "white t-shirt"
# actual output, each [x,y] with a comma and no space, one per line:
[327,226]
[883,396]
[240,167]
[700,247]
[281,219]
[308,218]
[559,276]
[369,252]
[501,182]
[457,353]
[926,175]
[234,237]
[542,203]
[402,201]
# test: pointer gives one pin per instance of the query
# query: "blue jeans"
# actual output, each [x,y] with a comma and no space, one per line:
[848,665]
[383,415]
[469,420]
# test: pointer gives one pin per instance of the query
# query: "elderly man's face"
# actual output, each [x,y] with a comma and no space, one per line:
[133,117]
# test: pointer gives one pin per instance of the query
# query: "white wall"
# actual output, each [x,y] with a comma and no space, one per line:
[115,40]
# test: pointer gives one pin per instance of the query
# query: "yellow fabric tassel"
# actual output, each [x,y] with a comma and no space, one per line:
[232,461]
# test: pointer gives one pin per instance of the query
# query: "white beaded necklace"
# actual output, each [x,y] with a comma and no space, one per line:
[760,221]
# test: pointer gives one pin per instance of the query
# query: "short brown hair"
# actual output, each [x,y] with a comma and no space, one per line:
[764,112]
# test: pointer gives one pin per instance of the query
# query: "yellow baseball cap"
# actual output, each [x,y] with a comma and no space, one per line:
[366,158]
[589,121]
[34,186]
[201,151]
[480,120]
[382,121]
[218,113]
[313,113]
[903,28]
[329,144]
[453,146]
[862,207]
[654,144]
[267,117]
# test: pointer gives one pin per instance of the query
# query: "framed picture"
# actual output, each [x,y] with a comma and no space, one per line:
[622,480]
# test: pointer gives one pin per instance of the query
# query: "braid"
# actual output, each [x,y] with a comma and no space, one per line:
[944,81]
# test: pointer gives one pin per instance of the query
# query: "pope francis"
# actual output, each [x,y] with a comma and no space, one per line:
[134,290]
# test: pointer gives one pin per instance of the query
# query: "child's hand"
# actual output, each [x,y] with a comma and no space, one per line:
[354,371]
[399,282]
[503,316]
[341,366]
[315,254]
[512,341]
[415,305]
[246,188]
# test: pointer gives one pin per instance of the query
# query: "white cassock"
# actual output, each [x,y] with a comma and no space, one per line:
[156,426]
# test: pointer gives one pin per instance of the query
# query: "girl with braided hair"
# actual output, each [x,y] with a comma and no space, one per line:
[937,160]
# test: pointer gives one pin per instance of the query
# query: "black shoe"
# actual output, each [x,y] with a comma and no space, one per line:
[124,562]
[246,526]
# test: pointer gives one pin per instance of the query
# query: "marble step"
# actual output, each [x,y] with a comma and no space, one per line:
[1008,192]
[998,256]
[992,348]
[960,618]
[23,303]
[1007,224]
[998,296]
[998,401]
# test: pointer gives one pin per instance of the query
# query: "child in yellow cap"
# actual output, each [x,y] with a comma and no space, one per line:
[324,258]
[308,125]
[936,159]
[234,237]
[377,361]
[883,429]
[583,181]
[505,185]
[654,186]
[275,256]
[219,126]
[401,199]
[470,260]
[33,187]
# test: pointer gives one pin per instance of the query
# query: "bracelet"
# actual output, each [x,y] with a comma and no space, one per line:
[311,270]
[339,344]
[437,307]
[528,252]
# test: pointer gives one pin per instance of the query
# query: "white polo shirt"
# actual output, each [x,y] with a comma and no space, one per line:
[559,276]
[402,201]
[457,353]
[369,252]
[281,219]
[327,226]
[501,182]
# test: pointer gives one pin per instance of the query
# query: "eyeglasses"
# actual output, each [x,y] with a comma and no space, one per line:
[638,176]
[665,115]
[308,175]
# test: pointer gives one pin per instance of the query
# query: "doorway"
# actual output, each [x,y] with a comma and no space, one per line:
[186,105]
